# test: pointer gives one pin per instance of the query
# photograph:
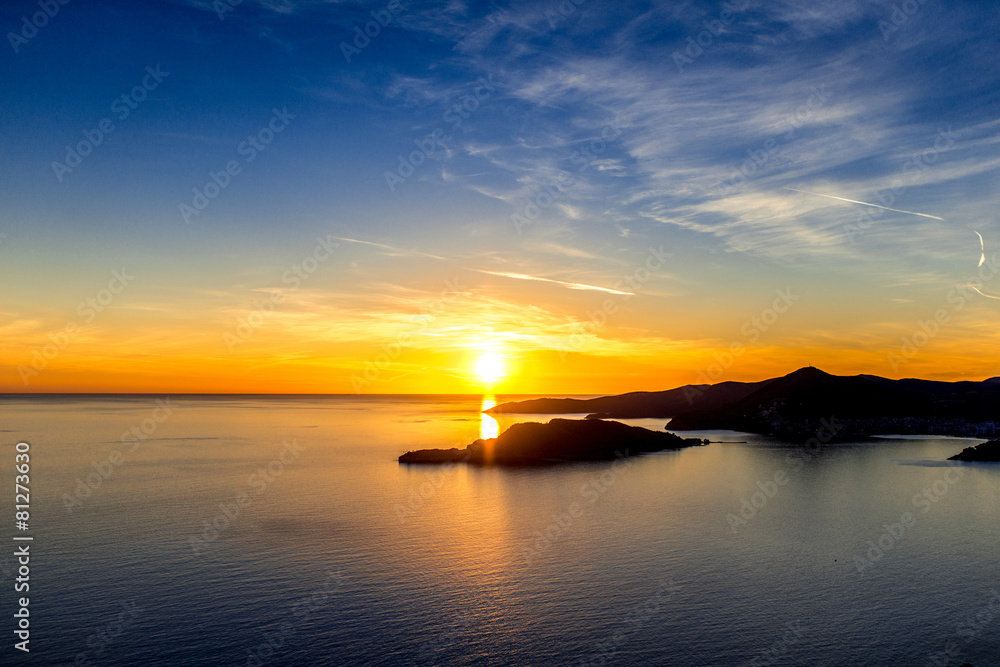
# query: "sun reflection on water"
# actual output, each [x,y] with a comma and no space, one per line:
[488,427]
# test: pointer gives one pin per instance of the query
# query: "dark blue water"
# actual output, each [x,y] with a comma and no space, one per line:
[282,531]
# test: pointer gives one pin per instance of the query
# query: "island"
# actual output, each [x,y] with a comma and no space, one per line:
[987,452]
[799,405]
[558,441]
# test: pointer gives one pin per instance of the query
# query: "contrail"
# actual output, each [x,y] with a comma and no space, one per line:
[515,276]
[522,276]
[390,248]
[864,203]
[982,260]
[988,296]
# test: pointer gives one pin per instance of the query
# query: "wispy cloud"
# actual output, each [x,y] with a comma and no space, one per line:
[687,132]
[391,250]
[577,286]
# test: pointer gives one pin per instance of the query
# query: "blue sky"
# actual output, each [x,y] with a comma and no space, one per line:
[623,123]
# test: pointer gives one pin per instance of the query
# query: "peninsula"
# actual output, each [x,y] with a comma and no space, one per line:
[988,452]
[795,406]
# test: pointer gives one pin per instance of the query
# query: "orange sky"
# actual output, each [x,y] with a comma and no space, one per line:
[428,337]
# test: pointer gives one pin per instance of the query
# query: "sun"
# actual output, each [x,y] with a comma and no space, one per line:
[490,368]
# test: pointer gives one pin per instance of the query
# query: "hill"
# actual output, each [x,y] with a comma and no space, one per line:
[797,404]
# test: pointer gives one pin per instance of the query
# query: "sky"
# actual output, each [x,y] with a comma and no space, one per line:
[572,197]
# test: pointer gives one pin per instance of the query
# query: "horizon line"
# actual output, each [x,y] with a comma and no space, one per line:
[495,394]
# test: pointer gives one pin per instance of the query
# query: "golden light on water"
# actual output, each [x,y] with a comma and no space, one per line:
[488,427]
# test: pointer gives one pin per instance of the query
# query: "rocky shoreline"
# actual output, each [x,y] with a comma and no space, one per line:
[558,441]
[987,452]
[794,406]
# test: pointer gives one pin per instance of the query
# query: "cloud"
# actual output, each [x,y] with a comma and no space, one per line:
[821,83]
[393,251]
[390,250]
[576,286]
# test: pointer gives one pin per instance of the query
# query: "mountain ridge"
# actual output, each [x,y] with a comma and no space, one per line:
[793,405]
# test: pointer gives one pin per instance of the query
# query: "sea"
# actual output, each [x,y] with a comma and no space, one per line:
[281,530]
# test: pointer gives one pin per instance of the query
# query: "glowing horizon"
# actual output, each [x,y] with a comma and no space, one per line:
[260,213]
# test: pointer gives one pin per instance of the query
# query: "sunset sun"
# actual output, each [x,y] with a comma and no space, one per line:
[490,368]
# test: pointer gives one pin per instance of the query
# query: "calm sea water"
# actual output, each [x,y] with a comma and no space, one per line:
[282,531]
